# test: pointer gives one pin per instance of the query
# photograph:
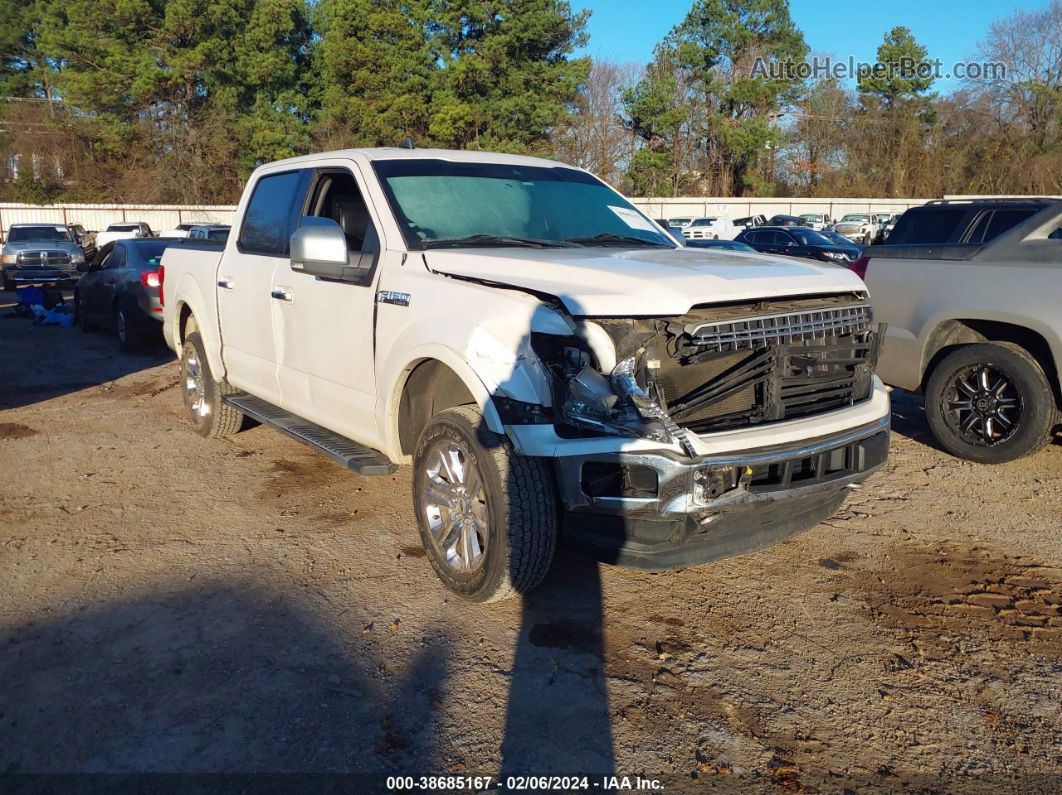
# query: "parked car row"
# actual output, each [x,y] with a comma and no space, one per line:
[116,286]
[48,254]
[861,228]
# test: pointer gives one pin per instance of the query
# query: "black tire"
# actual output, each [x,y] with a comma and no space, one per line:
[1030,411]
[219,419]
[519,502]
[130,337]
[81,316]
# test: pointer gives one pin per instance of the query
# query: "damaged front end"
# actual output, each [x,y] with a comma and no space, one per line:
[617,401]
[715,369]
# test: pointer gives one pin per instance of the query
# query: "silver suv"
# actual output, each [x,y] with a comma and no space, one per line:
[40,254]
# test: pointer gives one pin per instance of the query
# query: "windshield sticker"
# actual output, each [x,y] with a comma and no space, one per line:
[633,219]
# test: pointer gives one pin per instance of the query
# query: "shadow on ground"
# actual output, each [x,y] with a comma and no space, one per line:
[214,678]
[42,362]
[557,718]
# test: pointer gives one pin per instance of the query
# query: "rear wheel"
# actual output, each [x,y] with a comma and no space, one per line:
[211,416]
[487,517]
[130,337]
[990,402]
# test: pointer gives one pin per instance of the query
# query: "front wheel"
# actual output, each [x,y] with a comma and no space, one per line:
[990,402]
[487,516]
[81,313]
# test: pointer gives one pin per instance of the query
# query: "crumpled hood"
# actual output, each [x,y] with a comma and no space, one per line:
[611,282]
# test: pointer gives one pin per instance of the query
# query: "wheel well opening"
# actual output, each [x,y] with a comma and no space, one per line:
[431,387]
[954,333]
[185,323]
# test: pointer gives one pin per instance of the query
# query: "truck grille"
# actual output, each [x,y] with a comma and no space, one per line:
[749,333]
[774,366]
[38,259]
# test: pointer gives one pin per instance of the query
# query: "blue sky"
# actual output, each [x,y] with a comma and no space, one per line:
[627,30]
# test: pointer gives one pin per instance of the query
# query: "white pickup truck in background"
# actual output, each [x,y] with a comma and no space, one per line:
[548,359]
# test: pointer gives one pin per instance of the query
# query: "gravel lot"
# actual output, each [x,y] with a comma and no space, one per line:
[176,605]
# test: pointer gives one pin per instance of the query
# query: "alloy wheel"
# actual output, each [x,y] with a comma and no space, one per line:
[455,507]
[194,385]
[982,405]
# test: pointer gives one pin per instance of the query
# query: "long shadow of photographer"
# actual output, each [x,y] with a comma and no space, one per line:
[557,719]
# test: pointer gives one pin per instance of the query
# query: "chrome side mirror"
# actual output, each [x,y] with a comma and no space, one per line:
[319,248]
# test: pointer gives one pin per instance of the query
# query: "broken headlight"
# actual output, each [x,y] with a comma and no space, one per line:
[618,404]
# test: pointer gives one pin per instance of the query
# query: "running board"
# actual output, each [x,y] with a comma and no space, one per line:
[355,457]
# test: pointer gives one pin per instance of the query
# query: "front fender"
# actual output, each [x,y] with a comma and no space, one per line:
[397,373]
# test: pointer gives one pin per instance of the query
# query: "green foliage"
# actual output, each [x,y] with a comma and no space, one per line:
[166,72]
[22,67]
[649,173]
[704,94]
[456,73]
[902,71]
[29,190]
[374,69]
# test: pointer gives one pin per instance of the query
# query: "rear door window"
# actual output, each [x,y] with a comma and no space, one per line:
[268,221]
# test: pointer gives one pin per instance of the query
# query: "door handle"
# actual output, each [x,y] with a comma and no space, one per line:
[281,294]
[225,284]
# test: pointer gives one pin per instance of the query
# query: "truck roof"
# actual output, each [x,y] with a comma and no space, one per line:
[401,153]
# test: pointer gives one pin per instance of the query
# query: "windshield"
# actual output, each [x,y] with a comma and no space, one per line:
[809,237]
[48,234]
[441,203]
[811,217]
[854,218]
[123,228]
[703,222]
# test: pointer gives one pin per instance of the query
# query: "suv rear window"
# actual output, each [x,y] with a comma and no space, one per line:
[928,227]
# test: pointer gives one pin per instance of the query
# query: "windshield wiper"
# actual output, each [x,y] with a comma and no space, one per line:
[609,239]
[491,240]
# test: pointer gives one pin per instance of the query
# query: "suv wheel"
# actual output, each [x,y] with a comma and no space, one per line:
[487,517]
[211,416]
[990,402]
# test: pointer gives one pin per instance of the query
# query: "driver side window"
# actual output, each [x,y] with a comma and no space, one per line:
[337,196]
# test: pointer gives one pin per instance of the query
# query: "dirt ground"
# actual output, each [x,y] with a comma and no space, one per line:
[171,604]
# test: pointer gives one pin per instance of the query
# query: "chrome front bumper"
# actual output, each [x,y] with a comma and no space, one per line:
[696,510]
[24,276]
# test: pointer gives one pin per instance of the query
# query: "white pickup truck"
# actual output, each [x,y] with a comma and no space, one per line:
[549,360]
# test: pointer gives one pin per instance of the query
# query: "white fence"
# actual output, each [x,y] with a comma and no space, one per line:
[96,217]
[161,217]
